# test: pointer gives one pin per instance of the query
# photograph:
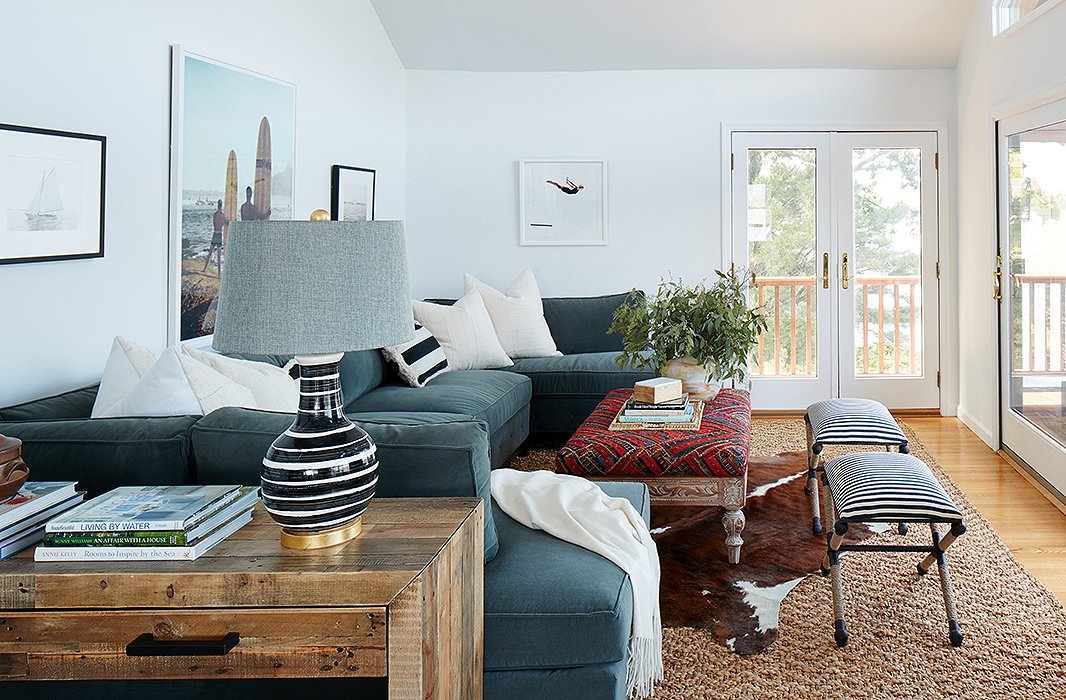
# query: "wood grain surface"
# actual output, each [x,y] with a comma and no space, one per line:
[405,600]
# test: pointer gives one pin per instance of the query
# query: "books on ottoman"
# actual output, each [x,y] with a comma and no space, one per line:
[23,516]
[676,407]
[149,523]
[657,390]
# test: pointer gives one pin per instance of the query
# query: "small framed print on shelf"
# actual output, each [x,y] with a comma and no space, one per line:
[352,193]
[51,195]
[562,202]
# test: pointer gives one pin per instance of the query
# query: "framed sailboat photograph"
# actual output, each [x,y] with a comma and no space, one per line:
[51,194]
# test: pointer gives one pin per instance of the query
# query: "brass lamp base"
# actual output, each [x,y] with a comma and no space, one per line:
[327,538]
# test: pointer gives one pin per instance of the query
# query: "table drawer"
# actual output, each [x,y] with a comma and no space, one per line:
[274,643]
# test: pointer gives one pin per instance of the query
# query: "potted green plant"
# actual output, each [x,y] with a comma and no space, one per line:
[701,334]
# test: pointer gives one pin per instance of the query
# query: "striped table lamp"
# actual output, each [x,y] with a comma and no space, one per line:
[315,289]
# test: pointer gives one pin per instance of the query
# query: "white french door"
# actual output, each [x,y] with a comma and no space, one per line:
[839,230]
[1031,284]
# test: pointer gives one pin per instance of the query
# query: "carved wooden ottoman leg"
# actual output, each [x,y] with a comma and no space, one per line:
[733,522]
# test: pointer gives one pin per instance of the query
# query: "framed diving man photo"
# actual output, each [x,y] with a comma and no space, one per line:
[562,202]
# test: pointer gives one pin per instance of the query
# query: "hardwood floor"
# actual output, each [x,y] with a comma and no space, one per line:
[1030,525]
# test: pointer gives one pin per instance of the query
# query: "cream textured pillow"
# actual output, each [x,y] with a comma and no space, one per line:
[464,330]
[176,385]
[137,383]
[517,315]
[273,388]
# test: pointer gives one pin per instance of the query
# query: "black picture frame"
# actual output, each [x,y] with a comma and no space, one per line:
[336,192]
[94,224]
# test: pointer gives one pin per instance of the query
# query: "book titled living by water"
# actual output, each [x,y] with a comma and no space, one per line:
[249,496]
[187,553]
[136,508]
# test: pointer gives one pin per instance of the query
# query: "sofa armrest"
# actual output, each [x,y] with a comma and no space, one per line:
[77,403]
[103,453]
[420,454]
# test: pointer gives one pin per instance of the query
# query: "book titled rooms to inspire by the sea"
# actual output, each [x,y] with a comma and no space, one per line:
[135,508]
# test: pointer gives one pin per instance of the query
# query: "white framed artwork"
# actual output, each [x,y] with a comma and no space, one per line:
[562,202]
[233,157]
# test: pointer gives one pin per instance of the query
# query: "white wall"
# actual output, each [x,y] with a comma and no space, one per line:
[660,132]
[1020,68]
[104,67]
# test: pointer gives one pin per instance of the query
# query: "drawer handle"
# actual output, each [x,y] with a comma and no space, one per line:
[148,645]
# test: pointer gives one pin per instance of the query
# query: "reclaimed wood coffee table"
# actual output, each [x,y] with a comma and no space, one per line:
[403,601]
[708,466]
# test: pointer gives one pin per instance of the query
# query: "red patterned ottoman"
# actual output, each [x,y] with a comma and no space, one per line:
[708,466]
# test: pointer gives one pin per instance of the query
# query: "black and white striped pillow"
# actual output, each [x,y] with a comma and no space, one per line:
[420,359]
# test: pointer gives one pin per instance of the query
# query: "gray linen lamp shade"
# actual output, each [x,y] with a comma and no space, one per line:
[313,287]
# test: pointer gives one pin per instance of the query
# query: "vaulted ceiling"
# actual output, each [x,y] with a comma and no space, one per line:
[565,35]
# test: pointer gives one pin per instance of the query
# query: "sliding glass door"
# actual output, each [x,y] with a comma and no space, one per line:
[839,230]
[1031,284]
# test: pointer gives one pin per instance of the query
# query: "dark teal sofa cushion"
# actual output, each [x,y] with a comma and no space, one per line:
[77,403]
[361,372]
[487,395]
[420,454]
[579,324]
[599,681]
[566,389]
[585,374]
[552,604]
[103,453]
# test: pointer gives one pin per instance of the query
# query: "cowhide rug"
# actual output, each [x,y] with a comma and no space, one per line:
[738,604]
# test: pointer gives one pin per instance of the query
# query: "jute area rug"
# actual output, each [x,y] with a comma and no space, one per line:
[1015,629]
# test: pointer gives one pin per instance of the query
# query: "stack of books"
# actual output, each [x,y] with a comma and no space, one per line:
[23,516]
[673,411]
[658,404]
[156,523]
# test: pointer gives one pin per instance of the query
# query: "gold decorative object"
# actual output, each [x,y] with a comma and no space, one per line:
[320,215]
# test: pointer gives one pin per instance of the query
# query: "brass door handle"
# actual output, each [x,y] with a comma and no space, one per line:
[825,270]
[997,279]
[844,271]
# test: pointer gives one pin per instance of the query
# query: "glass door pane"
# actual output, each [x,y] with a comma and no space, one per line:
[1036,266]
[887,238]
[781,226]
[782,236]
[888,261]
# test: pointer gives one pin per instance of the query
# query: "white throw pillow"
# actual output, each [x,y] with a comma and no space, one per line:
[125,366]
[136,383]
[517,315]
[465,332]
[273,388]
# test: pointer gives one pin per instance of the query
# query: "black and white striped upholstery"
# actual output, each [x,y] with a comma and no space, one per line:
[420,360]
[853,422]
[887,487]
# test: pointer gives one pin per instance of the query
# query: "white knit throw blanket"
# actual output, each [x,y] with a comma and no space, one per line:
[578,511]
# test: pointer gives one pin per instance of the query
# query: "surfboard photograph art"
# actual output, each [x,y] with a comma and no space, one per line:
[237,145]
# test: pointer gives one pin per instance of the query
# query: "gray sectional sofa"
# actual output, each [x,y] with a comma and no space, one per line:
[557,617]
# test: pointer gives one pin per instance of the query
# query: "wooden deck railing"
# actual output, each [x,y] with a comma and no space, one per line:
[1041,301]
[789,347]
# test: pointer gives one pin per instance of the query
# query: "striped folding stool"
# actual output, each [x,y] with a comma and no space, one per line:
[887,487]
[846,422]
